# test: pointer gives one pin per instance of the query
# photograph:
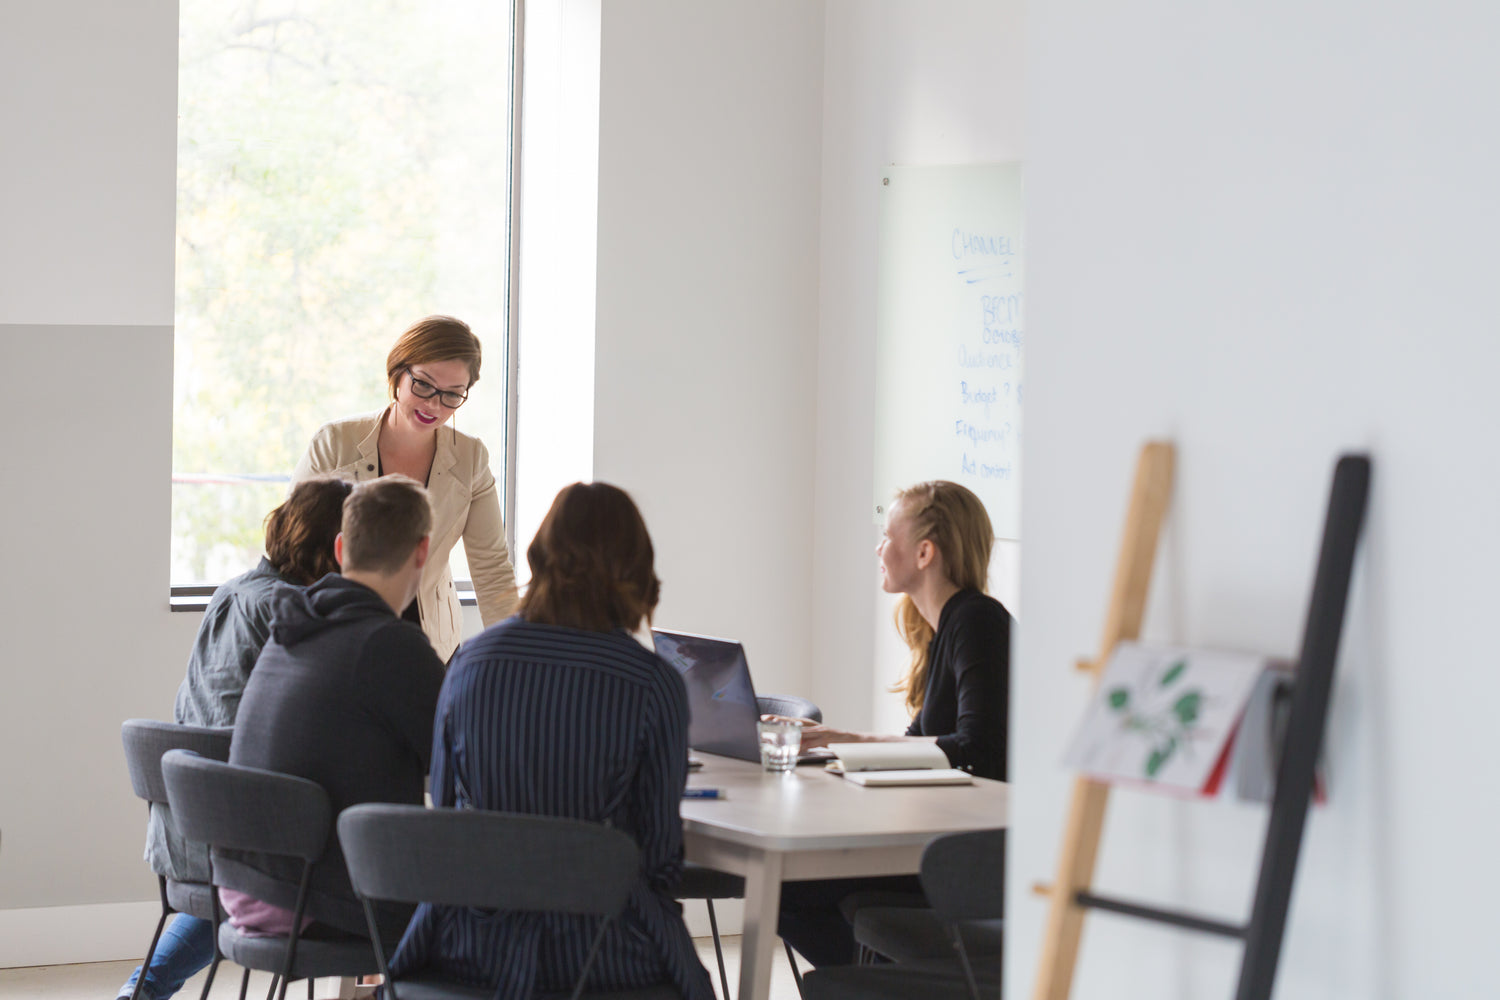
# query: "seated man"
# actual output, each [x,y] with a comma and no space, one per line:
[344,695]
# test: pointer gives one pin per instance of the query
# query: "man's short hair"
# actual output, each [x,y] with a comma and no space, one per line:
[384,519]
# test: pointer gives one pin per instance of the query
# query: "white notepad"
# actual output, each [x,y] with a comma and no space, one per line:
[903,763]
[920,776]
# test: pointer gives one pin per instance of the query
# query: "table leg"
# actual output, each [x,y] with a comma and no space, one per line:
[759,939]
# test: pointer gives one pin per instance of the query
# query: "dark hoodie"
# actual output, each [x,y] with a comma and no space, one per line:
[343,694]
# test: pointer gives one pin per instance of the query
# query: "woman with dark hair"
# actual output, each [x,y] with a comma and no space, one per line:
[429,371]
[561,712]
[237,623]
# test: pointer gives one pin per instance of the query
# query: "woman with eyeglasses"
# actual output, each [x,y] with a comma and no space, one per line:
[431,369]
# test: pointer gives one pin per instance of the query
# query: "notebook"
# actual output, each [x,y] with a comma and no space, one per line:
[903,763]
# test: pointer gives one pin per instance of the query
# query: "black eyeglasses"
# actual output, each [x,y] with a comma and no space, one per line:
[423,389]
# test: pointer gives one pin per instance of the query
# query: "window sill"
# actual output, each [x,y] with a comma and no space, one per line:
[197,598]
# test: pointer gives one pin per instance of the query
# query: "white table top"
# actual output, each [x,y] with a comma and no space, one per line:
[809,809]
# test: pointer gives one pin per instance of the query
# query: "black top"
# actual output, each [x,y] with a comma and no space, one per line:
[343,694]
[966,705]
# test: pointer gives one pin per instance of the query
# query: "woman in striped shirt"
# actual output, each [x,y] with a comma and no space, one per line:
[560,712]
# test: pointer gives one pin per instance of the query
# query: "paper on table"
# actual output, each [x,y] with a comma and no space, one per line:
[920,776]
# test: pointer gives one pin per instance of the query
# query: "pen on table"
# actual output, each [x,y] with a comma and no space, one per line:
[704,793]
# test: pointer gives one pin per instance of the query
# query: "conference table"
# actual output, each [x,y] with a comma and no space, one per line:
[810,824]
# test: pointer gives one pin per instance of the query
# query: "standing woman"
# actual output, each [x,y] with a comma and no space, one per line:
[431,369]
[936,554]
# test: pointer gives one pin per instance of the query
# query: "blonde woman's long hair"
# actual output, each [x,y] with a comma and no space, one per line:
[954,520]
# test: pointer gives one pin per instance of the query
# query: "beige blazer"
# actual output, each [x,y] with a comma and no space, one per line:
[464,505]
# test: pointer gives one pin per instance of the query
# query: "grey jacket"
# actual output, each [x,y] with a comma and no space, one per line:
[234,628]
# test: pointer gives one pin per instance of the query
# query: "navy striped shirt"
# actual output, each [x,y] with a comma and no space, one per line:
[556,721]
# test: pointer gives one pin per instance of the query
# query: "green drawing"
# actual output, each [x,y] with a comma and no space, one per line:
[1173,672]
[1168,728]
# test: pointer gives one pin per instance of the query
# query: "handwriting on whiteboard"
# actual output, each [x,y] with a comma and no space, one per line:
[988,359]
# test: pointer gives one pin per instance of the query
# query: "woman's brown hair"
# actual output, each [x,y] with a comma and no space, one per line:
[436,338]
[300,533]
[954,520]
[591,562]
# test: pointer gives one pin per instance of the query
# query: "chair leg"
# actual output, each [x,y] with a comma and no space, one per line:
[963,957]
[275,981]
[310,982]
[244,984]
[213,970]
[791,957]
[713,924]
[166,911]
[218,955]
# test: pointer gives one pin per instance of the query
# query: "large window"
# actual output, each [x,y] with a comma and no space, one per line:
[344,168]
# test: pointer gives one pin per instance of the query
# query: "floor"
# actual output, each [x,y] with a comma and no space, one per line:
[100,980]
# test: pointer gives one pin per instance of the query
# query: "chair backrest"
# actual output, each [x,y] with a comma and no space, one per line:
[789,705]
[963,875]
[245,808]
[495,860]
[146,740]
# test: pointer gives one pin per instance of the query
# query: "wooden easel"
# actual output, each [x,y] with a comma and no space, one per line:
[1127,606]
[1071,896]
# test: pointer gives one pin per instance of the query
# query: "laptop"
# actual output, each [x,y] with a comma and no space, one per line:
[721,698]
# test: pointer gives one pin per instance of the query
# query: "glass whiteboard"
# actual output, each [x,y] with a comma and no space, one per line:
[949,344]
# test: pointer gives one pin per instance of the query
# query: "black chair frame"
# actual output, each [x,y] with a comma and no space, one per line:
[145,740]
[266,793]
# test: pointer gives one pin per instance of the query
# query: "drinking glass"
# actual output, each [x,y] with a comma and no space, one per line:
[780,739]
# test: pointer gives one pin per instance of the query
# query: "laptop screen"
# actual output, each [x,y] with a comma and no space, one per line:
[721,699]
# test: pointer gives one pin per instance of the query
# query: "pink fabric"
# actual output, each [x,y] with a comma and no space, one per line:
[253,918]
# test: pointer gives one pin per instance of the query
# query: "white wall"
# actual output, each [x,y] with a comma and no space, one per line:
[913,84]
[1267,232]
[89,128]
[87,186]
[707,298]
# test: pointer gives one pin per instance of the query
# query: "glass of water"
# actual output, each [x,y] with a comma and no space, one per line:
[780,740]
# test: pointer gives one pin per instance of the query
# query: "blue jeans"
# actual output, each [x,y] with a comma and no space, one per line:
[186,946]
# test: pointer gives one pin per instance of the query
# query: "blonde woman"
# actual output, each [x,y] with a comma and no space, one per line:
[430,371]
[936,554]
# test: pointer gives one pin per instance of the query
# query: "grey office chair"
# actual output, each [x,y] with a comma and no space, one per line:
[906,933]
[789,705]
[230,807]
[963,877]
[903,927]
[709,884]
[492,860]
[145,741]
